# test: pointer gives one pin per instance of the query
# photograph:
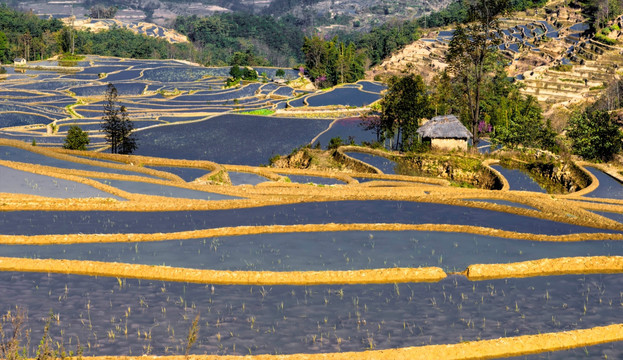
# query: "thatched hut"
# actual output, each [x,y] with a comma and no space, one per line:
[445,132]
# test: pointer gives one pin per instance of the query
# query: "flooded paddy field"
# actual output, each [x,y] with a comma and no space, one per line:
[318,251]
[195,199]
[343,212]
[118,316]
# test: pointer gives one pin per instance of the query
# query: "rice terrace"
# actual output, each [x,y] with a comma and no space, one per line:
[251,223]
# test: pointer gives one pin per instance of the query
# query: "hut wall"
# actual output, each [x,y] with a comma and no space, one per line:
[449,144]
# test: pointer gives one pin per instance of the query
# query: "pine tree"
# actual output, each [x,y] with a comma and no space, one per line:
[117,125]
[128,141]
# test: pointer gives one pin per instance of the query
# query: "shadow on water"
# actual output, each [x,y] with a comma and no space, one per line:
[608,187]
[519,180]
[384,164]
[242,178]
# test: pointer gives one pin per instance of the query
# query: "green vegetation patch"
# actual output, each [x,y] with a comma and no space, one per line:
[562,67]
[264,112]
[604,39]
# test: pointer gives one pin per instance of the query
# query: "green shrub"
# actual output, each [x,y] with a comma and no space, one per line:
[76,139]
[562,67]
[274,159]
[263,112]
[335,143]
[604,40]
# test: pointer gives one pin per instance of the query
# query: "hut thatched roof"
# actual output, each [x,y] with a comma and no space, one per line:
[444,127]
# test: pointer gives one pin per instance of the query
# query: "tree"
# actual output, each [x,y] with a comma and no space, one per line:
[594,135]
[4,47]
[373,123]
[102,12]
[470,53]
[443,95]
[128,142]
[235,72]
[404,104]
[524,124]
[117,125]
[76,139]
[333,62]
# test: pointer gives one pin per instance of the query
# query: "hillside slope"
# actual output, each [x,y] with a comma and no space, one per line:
[535,44]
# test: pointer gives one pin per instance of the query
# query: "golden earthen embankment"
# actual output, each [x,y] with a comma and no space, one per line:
[166,273]
[547,267]
[471,350]
[66,239]
[562,208]
[547,207]
[476,272]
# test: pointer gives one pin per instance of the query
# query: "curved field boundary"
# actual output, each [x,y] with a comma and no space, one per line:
[478,272]
[505,185]
[341,155]
[66,157]
[281,229]
[211,168]
[261,171]
[324,174]
[404,178]
[594,182]
[483,349]
[547,267]
[552,208]
[166,273]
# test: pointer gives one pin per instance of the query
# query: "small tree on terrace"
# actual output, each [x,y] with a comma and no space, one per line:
[76,139]
[117,125]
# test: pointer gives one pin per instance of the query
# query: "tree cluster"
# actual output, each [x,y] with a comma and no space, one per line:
[25,35]
[406,102]
[595,135]
[506,116]
[470,54]
[602,11]
[260,39]
[457,12]
[238,74]
[386,39]
[124,43]
[102,12]
[332,62]
[116,125]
